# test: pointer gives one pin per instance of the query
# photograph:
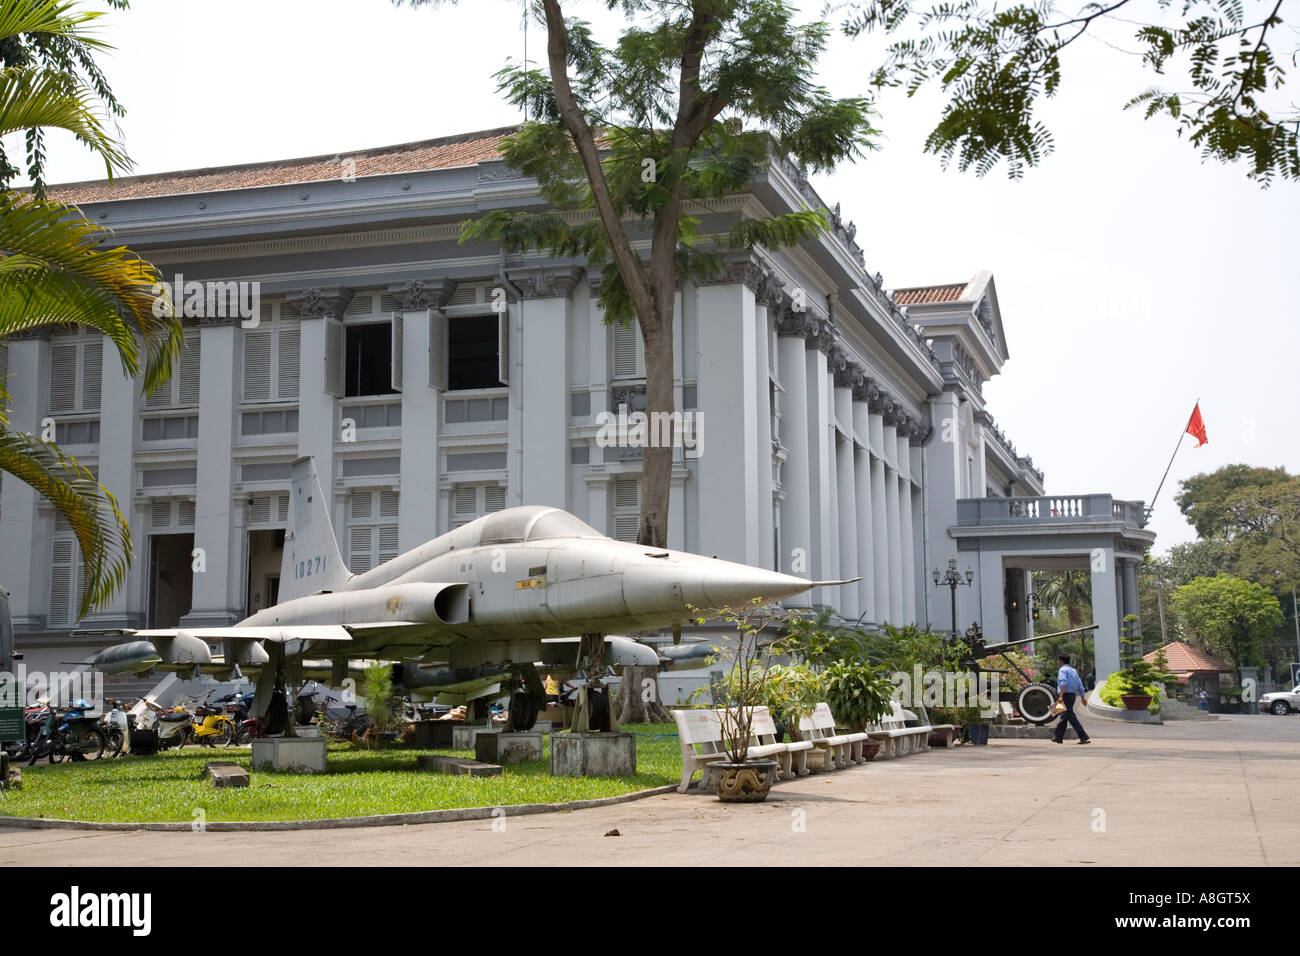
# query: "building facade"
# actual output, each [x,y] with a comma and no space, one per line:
[836,430]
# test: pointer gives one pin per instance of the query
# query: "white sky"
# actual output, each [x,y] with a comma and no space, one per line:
[1132,278]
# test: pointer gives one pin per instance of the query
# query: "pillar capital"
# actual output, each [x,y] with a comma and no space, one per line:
[545,282]
[326,302]
[420,294]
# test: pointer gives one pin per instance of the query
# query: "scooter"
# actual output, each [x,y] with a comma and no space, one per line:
[116,727]
[212,727]
[169,727]
[72,733]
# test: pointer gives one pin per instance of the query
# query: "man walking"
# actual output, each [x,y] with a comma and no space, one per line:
[1068,687]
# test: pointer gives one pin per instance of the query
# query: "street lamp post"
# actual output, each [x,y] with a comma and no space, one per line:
[952,578]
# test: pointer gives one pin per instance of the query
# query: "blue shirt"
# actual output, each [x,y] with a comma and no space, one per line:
[1068,680]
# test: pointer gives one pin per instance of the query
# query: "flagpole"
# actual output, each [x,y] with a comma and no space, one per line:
[1151,507]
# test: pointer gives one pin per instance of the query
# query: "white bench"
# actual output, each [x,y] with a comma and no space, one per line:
[896,738]
[698,729]
[700,734]
[945,732]
[834,748]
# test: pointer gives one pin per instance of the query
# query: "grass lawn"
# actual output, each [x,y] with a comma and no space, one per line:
[360,782]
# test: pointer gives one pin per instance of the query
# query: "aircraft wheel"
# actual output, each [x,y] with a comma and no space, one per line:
[523,710]
[1035,703]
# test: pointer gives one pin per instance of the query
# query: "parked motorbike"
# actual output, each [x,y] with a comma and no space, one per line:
[71,733]
[211,727]
[169,727]
[114,725]
[277,719]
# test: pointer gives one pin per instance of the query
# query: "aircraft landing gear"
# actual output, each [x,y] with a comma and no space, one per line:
[526,701]
[593,713]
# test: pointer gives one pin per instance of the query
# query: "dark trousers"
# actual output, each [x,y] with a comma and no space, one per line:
[1071,717]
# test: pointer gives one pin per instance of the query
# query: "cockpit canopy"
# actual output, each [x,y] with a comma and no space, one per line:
[532,523]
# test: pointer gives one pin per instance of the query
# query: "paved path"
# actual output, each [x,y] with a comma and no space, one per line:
[1206,793]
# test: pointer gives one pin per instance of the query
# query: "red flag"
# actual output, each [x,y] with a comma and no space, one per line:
[1196,426]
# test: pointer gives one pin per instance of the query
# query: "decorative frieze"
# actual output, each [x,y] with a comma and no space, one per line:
[423,294]
[745,271]
[327,303]
[546,283]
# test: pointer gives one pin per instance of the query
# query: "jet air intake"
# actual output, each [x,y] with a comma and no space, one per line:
[416,602]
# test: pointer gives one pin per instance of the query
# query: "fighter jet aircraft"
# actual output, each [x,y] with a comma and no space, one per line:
[474,610]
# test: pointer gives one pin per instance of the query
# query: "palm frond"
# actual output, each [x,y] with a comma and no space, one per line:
[38,98]
[90,509]
[55,269]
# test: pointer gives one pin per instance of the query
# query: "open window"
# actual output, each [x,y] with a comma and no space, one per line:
[469,351]
[368,367]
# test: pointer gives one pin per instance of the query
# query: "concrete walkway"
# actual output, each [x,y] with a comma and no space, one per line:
[1218,793]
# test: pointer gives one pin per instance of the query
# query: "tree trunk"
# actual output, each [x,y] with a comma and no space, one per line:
[632,706]
[657,458]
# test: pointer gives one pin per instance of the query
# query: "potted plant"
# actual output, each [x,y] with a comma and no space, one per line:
[857,694]
[382,706]
[975,724]
[746,684]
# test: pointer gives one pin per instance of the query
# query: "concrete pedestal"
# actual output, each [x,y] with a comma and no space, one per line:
[593,755]
[508,748]
[430,734]
[299,754]
[462,735]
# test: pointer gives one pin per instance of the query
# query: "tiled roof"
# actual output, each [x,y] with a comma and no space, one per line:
[927,294]
[448,152]
[1184,659]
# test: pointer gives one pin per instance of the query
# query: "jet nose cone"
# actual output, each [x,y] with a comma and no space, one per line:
[724,584]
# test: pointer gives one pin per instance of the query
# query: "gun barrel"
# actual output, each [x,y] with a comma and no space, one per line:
[995,648]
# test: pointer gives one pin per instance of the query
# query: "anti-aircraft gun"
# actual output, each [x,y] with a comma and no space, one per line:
[1035,700]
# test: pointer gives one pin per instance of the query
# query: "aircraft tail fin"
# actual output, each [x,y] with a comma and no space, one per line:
[312,561]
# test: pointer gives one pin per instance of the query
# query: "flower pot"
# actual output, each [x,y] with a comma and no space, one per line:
[1136,701]
[748,782]
[979,734]
[870,748]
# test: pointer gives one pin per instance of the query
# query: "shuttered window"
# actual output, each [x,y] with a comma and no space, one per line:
[76,372]
[627,350]
[271,356]
[268,511]
[182,389]
[66,575]
[625,508]
[470,501]
[372,528]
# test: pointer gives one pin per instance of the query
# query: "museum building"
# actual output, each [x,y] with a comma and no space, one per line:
[836,429]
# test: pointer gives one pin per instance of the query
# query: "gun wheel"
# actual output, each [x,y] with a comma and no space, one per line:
[1035,703]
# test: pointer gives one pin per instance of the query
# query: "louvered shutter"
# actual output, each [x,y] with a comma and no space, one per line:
[437,350]
[395,374]
[625,527]
[259,509]
[63,378]
[282,509]
[188,387]
[387,543]
[464,505]
[160,514]
[92,375]
[360,505]
[334,357]
[287,360]
[257,365]
[61,596]
[494,499]
[360,555]
[185,514]
[628,360]
[503,346]
[388,504]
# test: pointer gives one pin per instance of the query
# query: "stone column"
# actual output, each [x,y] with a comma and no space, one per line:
[897,604]
[1128,568]
[848,601]
[1105,613]
[879,505]
[544,383]
[862,495]
[211,603]
[727,475]
[821,460]
[422,409]
[118,420]
[796,523]
[25,556]
[906,530]
[768,300]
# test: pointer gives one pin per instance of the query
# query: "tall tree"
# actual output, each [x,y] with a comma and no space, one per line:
[1204,499]
[995,61]
[56,267]
[685,108]
[1228,616]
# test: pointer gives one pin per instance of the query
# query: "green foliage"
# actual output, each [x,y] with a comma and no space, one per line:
[858,693]
[1120,683]
[1228,616]
[1207,500]
[903,648]
[382,704]
[994,64]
